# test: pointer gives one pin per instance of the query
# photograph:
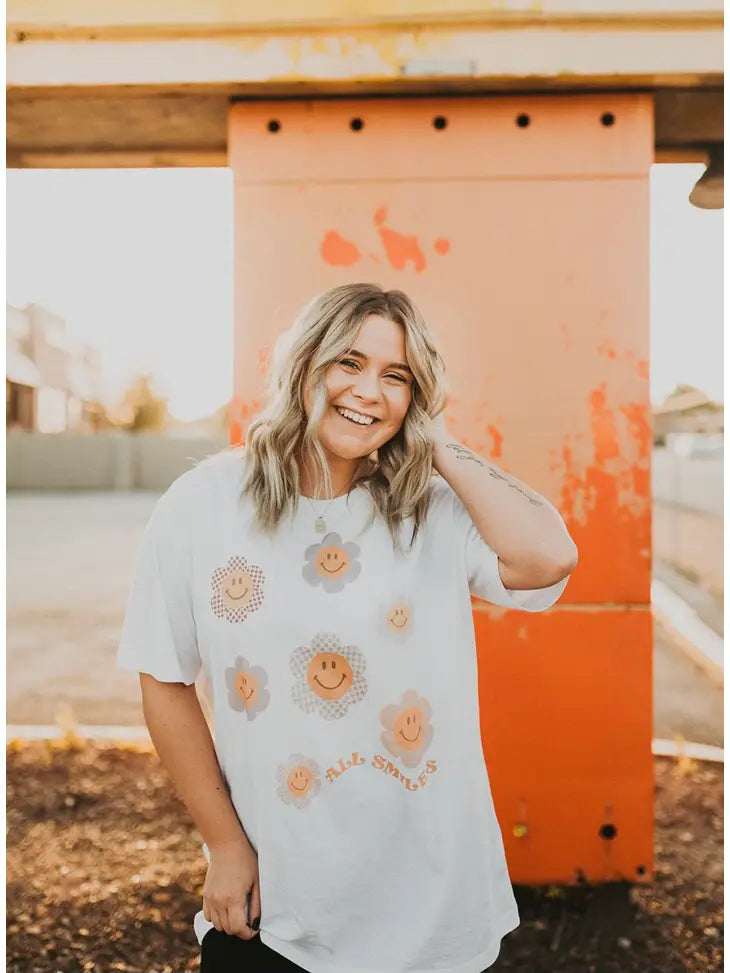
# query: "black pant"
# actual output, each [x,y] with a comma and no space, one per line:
[223,953]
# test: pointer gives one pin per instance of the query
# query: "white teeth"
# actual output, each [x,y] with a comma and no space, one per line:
[360,420]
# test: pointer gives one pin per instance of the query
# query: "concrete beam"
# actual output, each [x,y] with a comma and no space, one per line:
[148,83]
[87,18]
[176,44]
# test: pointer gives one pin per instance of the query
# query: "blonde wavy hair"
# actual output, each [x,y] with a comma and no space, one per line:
[397,476]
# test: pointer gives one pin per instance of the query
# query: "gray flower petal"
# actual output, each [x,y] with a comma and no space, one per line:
[354,571]
[310,574]
[333,584]
[235,701]
[312,551]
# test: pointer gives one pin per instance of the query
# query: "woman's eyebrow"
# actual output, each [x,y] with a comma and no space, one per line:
[393,364]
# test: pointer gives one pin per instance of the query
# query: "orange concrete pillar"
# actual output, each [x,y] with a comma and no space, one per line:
[520,226]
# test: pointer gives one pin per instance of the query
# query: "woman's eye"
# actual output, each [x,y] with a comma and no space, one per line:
[398,378]
[348,362]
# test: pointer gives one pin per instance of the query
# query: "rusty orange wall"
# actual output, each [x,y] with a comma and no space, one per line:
[527,248]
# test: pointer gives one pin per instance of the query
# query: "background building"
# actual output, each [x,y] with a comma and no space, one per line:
[688,411]
[51,382]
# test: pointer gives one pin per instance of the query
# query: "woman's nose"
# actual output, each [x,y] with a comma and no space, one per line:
[367,386]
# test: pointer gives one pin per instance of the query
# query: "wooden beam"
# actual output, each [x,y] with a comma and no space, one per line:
[683,118]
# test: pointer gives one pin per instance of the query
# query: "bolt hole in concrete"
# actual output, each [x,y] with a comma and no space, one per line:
[523,121]
[274,126]
[440,122]
[357,124]
[608,831]
[608,118]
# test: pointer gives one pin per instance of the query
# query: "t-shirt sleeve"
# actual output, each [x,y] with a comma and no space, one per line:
[482,565]
[158,634]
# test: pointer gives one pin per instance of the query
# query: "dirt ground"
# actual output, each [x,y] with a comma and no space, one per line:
[105,872]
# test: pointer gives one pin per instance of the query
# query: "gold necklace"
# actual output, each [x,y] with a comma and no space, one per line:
[320,524]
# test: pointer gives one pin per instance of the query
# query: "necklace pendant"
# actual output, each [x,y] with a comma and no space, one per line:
[320,526]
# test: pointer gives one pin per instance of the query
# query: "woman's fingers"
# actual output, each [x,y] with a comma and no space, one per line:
[237,922]
[254,909]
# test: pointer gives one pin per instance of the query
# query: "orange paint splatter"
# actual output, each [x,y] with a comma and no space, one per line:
[400,248]
[380,215]
[442,245]
[497,440]
[338,251]
[235,433]
[640,427]
[605,435]
[642,368]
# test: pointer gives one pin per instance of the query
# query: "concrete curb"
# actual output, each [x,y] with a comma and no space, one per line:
[129,734]
[703,645]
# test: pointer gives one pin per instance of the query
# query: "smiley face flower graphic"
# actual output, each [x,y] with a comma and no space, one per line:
[299,780]
[331,564]
[246,686]
[396,618]
[408,732]
[329,676]
[238,590]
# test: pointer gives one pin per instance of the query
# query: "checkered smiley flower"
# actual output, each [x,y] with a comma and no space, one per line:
[331,563]
[329,676]
[238,590]
[247,687]
[299,780]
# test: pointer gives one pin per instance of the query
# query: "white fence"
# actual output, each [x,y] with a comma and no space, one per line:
[105,461]
[151,461]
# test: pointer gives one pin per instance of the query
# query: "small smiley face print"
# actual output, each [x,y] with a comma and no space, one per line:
[329,676]
[396,618]
[247,688]
[408,728]
[237,590]
[331,564]
[408,732]
[299,780]
[399,618]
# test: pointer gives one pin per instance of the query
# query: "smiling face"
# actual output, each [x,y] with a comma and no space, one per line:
[247,687]
[399,618]
[332,562]
[329,675]
[372,379]
[409,728]
[299,781]
[236,589]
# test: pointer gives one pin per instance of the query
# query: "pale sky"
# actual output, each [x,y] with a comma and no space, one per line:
[140,264]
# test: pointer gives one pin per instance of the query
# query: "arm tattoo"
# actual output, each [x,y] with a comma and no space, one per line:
[463,453]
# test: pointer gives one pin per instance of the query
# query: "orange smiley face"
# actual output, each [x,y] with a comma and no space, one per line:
[399,618]
[299,781]
[409,727]
[247,687]
[329,675]
[236,589]
[332,562]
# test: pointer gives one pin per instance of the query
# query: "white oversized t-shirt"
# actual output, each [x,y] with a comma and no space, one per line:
[342,679]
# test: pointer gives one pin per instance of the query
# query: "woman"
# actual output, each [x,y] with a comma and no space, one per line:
[321,579]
